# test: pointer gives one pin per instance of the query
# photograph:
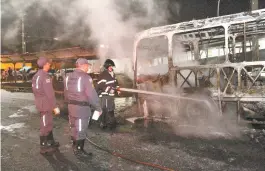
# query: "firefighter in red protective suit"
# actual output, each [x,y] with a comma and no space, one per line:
[107,86]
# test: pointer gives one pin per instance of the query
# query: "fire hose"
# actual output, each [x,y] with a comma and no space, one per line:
[128,159]
[152,93]
[159,94]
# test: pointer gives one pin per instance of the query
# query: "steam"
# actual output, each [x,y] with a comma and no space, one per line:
[194,118]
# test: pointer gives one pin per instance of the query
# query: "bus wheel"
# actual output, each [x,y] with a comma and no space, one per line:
[200,112]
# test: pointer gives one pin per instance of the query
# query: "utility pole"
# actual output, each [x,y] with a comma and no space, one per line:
[23,35]
[255,42]
[254,4]
[218,8]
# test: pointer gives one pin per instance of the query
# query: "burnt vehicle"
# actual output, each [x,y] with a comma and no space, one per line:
[219,60]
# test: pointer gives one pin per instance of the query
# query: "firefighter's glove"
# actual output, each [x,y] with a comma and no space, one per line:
[112,91]
[118,91]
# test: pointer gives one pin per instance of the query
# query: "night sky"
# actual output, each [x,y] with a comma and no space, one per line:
[198,9]
[190,9]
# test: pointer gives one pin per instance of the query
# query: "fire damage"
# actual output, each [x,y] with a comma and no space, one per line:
[218,59]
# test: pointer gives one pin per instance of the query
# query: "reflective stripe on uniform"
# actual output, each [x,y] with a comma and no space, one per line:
[66,83]
[111,94]
[79,84]
[102,81]
[80,125]
[107,89]
[109,82]
[43,119]
[103,93]
[37,82]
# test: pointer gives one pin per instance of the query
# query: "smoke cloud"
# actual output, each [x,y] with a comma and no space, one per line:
[110,23]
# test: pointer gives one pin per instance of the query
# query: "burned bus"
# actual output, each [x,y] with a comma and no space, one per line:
[220,59]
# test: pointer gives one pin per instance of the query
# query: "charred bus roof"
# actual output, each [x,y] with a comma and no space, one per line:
[189,26]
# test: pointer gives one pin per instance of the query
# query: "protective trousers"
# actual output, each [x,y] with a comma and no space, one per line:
[78,127]
[108,107]
[46,123]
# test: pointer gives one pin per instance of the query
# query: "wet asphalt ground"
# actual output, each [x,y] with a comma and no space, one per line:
[157,144]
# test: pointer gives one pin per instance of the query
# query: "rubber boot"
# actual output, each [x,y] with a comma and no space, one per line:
[112,123]
[44,147]
[79,149]
[51,140]
[103,118]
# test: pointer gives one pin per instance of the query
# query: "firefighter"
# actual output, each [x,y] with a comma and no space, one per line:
[45,103]
[81,95]
[107,87]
